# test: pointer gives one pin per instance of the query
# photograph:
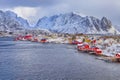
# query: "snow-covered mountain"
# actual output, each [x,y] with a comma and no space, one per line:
[63,23]
[9,21]
[74,23]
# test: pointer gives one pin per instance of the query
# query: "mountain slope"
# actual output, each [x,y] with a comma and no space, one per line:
[9,21]
[73,23]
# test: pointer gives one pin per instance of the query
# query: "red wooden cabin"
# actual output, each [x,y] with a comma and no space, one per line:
[97,50]
[28,37]
[83,47]
[43,40]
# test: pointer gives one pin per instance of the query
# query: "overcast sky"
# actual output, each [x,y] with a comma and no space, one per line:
[32,10]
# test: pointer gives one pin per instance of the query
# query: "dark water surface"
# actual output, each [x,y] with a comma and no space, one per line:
[21,60]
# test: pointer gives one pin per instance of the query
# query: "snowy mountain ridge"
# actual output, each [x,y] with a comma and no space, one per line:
[74,23]
[9,21]
[63,23]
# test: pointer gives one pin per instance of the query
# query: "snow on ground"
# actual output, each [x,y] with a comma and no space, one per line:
[110,47]
[112,50]
[57,40]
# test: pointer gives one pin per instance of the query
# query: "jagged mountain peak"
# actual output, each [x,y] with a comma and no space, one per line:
[74,23]
[9,21]
[10,13]
[62,23]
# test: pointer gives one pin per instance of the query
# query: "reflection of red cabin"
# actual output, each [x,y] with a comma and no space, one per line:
[19,38]
[35,39]
[16,39]
[43,40]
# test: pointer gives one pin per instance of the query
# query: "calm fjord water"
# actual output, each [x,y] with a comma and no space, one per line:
[22,60]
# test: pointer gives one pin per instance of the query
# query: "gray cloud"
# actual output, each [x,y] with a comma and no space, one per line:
[97,8]
[26,3]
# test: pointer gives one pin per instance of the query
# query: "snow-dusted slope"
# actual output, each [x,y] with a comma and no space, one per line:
[74,23]
[10,22]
